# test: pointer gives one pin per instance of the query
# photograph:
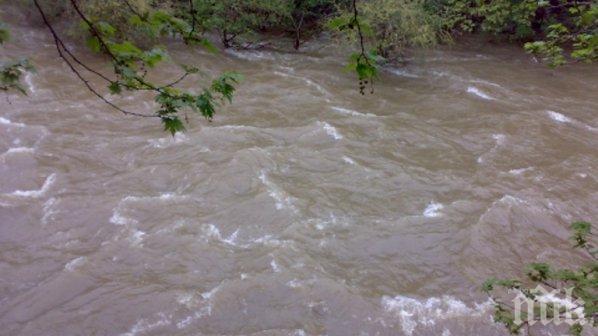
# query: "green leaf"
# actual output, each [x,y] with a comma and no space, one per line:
[224,85]
[173,125]
[576,329]
[93,43]
[106,29]
[115,88]
[4,34]
[209,46]
[538,272]
[125,49]
[154,56]
[205,104]
[10,75]
[581,230]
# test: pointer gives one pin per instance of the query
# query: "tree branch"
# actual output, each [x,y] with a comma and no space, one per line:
[60,47]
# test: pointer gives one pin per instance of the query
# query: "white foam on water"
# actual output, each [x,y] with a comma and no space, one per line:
[505,199]
[509,199]
[349,160]
[402,73]
[48,210]
[286,68]
[18,150]
[178,138]
[481,81]
[346,111]
[499,138]
[75,263]
[235,127]
[168,196]
[330,130]
[550,297]
[204,311]
[144,325]
[211,231]
[232,239]
[185,299]
[561,118]
[558,117]
[520,170]
[136,237]
[323,223]
[475,91]
[413,312]
[189,301]
[282,200]
[118,219]
[307,81]
[184,323]
[36,193]
[590,128]
[209,294]
[433,210]
[294,283]
[5,121]
[269,240]
[274,266]
[250,55]
[315,85]
[29,82]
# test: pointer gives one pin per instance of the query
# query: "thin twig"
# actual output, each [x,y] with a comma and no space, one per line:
[94,31]
[60,47]
[193,18]
[358,25]
[131,8]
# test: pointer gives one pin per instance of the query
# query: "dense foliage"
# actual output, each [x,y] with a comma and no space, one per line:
[393,25]
[549,28]
[581,283]
[232,19]
[554,30]
[128,32]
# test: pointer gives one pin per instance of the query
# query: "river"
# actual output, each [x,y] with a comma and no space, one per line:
[304,208]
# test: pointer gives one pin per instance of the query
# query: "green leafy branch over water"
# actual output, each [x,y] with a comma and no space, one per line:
[380,31]
[131,64]
[11,71]
[580,285]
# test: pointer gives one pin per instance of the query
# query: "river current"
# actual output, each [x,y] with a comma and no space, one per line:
[304,208]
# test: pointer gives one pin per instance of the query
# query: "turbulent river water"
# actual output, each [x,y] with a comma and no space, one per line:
[304,208]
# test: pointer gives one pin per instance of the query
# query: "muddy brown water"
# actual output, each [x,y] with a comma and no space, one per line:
[304,208]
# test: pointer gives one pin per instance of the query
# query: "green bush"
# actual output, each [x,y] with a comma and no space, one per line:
[392,25]
[580,283]
[239,18]
[554,30]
